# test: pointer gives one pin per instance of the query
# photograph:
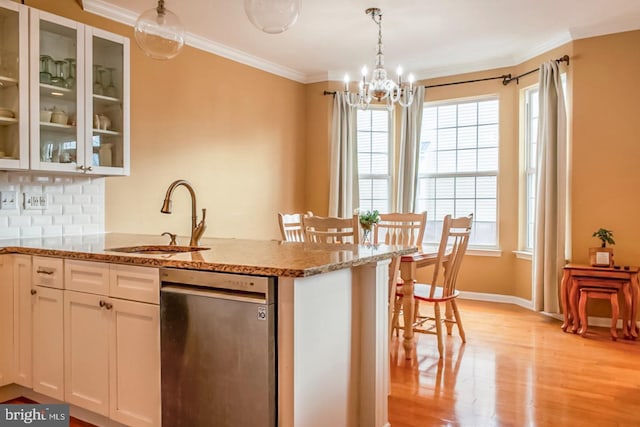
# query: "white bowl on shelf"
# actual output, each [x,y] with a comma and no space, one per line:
[45,116]
[5,112]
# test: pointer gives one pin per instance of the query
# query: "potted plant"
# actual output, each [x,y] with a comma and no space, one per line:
[367,221]
[602,256]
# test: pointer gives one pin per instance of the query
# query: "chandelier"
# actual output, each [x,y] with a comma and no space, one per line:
[379,87]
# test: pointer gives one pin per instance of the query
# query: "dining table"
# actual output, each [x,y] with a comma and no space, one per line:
[425,256]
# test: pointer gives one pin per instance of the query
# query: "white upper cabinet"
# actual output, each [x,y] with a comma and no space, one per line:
[64,94]
[107,109]
[57,97]
[79,97]
[14,87]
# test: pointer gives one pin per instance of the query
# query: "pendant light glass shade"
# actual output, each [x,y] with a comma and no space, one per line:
[272,16]
[159,33]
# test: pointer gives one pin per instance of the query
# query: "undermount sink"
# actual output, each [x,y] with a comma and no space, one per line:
[158,249]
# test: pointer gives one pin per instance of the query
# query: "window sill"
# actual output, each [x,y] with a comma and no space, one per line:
[523,255]
[484,252]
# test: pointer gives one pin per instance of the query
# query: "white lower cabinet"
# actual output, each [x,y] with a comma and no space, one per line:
[86,351]
[22,320]
[6,320]
[134,383]
[112,345]
[48,373]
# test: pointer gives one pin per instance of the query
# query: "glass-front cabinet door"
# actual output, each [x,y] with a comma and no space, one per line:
[14,78]
[57,93]
[107,110]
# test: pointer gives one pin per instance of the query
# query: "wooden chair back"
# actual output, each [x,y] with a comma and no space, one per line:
[453,245]
[320,229]
[405,229]
[291,226]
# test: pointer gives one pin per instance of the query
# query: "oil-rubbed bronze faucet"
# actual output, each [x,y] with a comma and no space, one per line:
[197,229]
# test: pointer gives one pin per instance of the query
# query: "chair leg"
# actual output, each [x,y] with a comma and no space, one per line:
[448,314]
[582,309]
[396,315]
[614,316]
[456,313]
[436,310]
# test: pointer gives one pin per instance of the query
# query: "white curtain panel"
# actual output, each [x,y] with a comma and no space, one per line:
[551,191]
[343,181]
[410,153]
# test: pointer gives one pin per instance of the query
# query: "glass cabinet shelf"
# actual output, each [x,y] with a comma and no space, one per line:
[56,92]
[7,81]
[101,99]
[106,132]
[7,121]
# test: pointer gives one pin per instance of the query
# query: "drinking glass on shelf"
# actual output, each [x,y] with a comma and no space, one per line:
[71,78]
[59,78]
[111,89]
[98,89]
[46,68]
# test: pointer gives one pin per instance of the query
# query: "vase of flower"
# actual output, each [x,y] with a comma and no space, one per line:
[368,220]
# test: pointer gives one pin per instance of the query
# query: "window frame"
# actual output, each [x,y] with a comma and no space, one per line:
[389,177]
[476,174]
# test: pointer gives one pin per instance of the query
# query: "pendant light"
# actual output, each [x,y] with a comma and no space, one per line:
[272,16]
[159,32]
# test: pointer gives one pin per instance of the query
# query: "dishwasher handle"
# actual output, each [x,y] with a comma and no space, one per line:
[254,298]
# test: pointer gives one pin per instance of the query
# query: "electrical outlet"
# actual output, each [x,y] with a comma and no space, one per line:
[35,201]
[9,200]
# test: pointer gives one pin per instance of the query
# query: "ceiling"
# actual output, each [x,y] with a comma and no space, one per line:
[427,37]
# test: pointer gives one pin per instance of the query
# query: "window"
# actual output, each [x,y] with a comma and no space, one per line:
[458,167]
[374,159]
[530,159]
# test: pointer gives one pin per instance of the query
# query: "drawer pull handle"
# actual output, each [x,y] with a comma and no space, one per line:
[33,292]
[106,305]
[43,271]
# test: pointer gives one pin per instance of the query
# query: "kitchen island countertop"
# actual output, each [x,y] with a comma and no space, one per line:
[255,257]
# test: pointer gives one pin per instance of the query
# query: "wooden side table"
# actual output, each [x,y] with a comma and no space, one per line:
[622,280]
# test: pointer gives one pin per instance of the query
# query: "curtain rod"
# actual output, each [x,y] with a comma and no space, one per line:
[506,78]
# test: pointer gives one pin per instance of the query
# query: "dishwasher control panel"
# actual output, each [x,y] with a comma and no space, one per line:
[224,281]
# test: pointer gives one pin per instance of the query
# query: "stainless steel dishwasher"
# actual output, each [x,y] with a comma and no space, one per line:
[218,349]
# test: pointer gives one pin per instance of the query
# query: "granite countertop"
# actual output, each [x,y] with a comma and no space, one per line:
[257,257]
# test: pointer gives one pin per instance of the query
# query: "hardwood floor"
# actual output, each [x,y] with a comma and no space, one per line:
[517,369]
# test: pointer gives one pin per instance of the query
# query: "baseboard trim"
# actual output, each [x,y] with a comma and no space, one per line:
[604,322]
[504,299]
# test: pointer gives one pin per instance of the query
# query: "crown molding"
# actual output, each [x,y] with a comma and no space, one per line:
[124,16]
[557,41]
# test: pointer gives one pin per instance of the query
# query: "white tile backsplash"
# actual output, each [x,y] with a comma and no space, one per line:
[75,205]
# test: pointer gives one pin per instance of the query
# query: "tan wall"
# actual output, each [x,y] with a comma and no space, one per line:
[606,148]
[235,132]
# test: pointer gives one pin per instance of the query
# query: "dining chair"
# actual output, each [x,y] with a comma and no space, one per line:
[451,250]
[319,229]
[404,229]
[291,226]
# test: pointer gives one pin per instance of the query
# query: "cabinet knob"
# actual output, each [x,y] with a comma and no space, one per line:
[108,306]
[33,292]
[102,303]
[80,167]
[88,168]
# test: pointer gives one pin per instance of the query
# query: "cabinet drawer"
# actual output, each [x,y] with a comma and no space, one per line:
[135,283]
[48,272]
[86,276]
